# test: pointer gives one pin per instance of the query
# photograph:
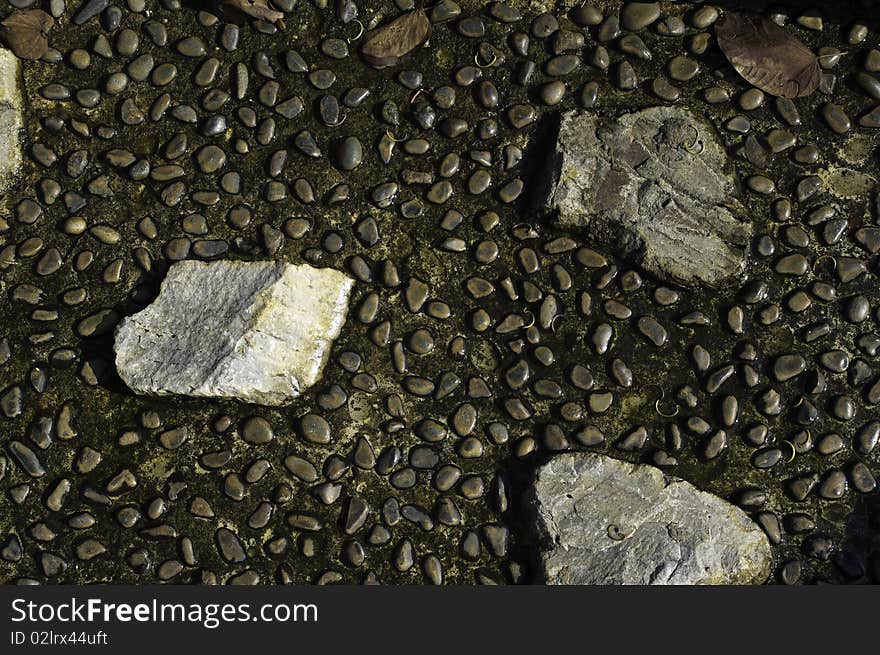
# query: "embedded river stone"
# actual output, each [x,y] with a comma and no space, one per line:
[10,117]
[657,185]
[605,521]
[257,331]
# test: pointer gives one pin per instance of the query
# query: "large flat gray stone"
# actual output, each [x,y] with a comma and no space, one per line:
[604,521]
[257,331]
[10,117]
[656,186]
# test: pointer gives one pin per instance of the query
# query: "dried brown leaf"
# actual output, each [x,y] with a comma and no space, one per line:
[386,45]
[260,9]
[767,55]
[26,33]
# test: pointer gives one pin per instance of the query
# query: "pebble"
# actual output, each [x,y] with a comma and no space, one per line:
[625,76]
[836,118]
[652,330]
[637,15]
[521,115]
[350,153]
[211,158]
[682,68]
[88,10]
[751,99]
[191,46]
[314,428]
[257,430]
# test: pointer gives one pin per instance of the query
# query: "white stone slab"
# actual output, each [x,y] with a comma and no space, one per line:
[10,117]
[257,331]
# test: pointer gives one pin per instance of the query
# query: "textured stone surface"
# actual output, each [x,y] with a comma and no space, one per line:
[655,184]
[258,331]
[10,117]
[604,521]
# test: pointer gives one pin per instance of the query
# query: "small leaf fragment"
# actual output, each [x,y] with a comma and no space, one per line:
[386,45]
[767,55]
[260,9]
[26,33]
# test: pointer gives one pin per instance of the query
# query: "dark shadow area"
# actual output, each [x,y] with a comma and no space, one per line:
[520,516]
[98,348]
[858,559]
[541,166]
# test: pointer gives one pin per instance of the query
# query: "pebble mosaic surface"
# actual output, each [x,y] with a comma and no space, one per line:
[483,336]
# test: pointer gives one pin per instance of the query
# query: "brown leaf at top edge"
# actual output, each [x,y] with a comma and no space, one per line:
[25,32]
[767,55]
[386,45]
[260,9]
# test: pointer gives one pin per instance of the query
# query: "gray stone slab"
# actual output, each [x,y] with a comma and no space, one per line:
[656,186]
[605,521]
